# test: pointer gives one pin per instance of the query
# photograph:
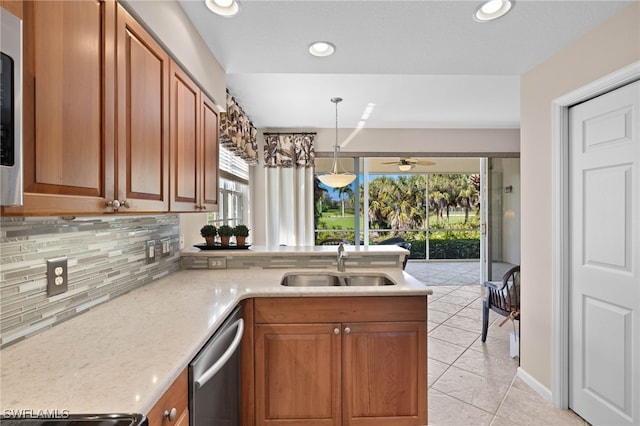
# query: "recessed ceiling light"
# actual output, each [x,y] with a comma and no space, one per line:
[321,48]
[493,9]
[225,8]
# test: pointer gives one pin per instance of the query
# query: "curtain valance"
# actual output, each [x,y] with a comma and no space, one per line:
[289,150]
[237,134]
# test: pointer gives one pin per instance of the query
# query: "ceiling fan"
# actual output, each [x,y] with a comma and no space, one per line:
[406,164]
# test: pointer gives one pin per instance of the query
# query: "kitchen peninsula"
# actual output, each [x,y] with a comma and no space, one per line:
[122,356]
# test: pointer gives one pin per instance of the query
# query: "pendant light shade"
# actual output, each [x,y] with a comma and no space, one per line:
[336,177]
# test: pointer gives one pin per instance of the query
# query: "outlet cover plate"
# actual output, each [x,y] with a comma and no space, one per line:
[57,276]
[217,263]
[150,251]
[165,243]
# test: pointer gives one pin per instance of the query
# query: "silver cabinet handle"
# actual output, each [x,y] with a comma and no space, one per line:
[347,330]
[116,204]
[207,375]
[336,330]
[170,415]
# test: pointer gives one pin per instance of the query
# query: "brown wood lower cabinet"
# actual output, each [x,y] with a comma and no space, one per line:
[340,361]
[172,407]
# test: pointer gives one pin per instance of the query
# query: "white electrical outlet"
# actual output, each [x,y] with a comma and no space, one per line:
[166,247]
[150,248]
[181,241]
[217,263]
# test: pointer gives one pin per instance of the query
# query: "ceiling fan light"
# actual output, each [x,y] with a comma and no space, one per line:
[493,9]
[405,167]
[226,8]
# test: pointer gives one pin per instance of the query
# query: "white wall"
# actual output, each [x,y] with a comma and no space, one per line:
[609,47]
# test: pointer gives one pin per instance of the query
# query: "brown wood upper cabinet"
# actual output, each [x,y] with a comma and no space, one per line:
[69,77]
[340,361]
[143,119]
[97,117]
[194,146]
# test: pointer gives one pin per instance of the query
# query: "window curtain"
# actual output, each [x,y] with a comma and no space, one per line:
[289,160]
[237,133]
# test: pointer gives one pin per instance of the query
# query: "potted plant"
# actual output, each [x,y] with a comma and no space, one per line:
[241,232]
[225,232]
[209,233]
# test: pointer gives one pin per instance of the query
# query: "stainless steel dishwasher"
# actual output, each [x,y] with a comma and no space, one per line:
[214,377]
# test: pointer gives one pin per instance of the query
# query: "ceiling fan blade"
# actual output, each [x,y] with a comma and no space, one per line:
[425,163]
[392,162]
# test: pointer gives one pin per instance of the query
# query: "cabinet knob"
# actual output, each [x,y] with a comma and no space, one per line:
[171,414]
[347,330]
[336,330]
[116,204]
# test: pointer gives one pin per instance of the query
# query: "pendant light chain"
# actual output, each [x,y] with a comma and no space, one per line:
[336,149]
[335,178]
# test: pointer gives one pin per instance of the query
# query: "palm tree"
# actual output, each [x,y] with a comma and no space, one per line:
[344,190]
[318,194]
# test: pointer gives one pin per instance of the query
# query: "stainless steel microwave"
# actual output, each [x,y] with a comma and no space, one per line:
[10,109]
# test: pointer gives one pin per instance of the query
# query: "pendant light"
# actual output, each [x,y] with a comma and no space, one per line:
[336,177]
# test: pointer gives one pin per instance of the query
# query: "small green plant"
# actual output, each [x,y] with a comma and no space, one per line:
[208,231]
[241,231]
[225,231]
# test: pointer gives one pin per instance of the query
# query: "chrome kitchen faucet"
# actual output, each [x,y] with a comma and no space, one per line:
[342,255]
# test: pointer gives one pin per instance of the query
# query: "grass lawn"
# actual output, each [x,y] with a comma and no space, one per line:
[338,222]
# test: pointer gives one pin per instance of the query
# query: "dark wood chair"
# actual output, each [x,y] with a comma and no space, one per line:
[333,242]
[502,297]
[400,242]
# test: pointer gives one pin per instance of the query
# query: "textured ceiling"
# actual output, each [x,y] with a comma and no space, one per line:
[424,64]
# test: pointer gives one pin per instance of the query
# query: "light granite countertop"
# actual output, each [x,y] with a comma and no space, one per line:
[123,355]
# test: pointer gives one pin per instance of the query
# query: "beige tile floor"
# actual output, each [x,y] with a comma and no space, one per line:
[475,383]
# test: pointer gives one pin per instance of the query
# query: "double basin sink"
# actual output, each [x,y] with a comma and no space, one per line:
[337,279]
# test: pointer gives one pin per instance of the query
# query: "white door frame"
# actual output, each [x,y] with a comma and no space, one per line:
[560,221]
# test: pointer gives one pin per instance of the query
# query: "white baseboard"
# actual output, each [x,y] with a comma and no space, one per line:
[534,384]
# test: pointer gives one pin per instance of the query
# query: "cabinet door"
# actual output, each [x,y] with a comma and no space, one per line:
[185,139]
[69,79]
[210,153]
[384,373]
[297,374]
[143,119]
[172,407]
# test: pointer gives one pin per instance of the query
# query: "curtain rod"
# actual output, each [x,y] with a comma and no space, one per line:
[289,133]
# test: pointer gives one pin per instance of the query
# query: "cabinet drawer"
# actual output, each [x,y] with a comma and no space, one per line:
[175,397]
[282,310]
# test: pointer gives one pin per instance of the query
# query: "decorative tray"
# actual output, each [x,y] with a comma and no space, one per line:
[221,247]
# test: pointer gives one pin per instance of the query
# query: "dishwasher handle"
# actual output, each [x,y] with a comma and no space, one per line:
[207,375]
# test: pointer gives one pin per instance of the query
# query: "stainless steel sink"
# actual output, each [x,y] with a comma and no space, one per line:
[328,279]
[367,280]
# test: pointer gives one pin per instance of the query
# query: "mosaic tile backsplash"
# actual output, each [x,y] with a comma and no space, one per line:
[106,258]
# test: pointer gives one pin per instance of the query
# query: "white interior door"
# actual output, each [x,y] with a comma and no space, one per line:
[604,289]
